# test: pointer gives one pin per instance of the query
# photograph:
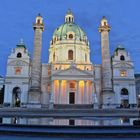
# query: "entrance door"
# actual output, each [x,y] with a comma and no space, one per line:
[71,98]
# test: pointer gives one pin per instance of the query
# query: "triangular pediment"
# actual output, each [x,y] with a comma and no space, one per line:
[73,71]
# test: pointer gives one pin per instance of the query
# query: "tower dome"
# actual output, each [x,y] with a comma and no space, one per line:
[73,39]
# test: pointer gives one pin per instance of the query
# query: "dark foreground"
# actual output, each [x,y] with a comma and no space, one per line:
[37,132]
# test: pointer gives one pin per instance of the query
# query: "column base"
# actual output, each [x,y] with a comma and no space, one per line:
[34,98]
[108,98]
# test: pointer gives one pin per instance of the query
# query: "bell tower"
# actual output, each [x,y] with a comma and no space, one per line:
[107,93]
[35,90]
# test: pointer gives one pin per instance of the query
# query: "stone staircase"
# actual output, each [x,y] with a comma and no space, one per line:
[73,106]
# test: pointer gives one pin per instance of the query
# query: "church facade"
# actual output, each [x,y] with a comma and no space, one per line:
[69,77]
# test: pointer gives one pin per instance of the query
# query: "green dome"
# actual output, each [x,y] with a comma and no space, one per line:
[62,31]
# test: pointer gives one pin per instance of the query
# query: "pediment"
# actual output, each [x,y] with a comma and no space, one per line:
[73,71]
[18,63]
[123,65]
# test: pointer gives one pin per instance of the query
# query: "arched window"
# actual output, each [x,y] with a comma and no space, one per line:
[19,55]
[38,21]
[105,24]
[70,55]
[70,36]
[122,58]
[124,91]
[54,57]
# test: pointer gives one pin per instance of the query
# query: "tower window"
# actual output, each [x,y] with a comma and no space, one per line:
[104,23]
[124,91]
[122,58]
[17,71]
[70,36]
[38,21]
[123,73]
[19,55]
[69,19]
[70,55]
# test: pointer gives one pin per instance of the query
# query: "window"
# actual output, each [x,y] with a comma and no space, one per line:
[38,21]
[70,55]
[70,36]
[72,85]
[17,71]
[19,55]
[124,91]
[123,73]
[122,58]
[104,23]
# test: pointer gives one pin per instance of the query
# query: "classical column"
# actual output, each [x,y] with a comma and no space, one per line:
[51,103]
[85,93]
[107,88]
[67,93]
[52,91]
[35,90]
[60,93]
[77,91]
[92,93]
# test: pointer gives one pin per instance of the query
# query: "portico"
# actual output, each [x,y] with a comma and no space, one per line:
[72,88]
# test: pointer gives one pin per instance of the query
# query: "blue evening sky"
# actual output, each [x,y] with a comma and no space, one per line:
[17,16]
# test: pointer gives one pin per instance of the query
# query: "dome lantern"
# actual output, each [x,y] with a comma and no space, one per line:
[69,18]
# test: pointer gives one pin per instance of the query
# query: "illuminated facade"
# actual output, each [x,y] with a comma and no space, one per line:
[69,77]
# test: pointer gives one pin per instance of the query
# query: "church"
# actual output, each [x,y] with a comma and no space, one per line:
[69,78]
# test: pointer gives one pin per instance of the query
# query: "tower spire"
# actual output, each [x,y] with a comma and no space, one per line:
[107,88]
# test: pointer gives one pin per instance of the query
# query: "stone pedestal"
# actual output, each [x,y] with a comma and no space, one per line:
[108,99]
[34,98]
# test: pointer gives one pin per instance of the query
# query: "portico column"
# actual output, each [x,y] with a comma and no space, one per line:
[85,92]
[67,92]
[52,92]
[60,92]
[77,91]
[92,93]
